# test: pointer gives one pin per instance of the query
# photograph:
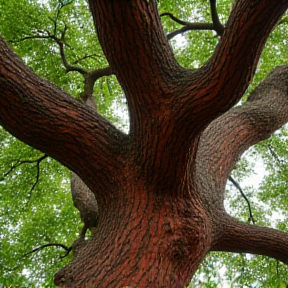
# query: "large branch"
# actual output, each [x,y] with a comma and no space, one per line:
[162,96]
[228,73]
[244,238]
[227,137]
[83,198]
[143,61]
[42,115]
[140,55]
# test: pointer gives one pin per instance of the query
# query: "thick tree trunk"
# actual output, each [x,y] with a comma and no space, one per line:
[160,189]
[144,239]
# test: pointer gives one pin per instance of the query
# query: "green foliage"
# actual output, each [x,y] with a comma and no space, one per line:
[33,216]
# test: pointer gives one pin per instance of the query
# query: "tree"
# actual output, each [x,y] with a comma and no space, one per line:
[159,188]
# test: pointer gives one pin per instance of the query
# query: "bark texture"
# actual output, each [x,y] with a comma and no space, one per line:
[160,189]
[83,198]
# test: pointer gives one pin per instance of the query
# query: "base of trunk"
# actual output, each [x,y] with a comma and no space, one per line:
[140,250]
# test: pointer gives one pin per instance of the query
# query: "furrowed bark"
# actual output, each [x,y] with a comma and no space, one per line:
[151,66]
[83,198]
[162,96]
[228,73]
[234,132]
[42,115]
[244,238]
[159,215]
[146,240]
[143,61]
[227,137]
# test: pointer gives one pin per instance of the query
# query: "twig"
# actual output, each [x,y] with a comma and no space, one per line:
[277,267]
[89,77]
[30,37]
[236,184]
[68,249]
[218,27]
[184,23]
[188,26]
[19,163]
[93,56]
[61,5]
[273,153]
[37,176]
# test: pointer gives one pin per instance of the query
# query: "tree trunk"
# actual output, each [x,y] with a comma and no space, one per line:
[144,239]
[159,189]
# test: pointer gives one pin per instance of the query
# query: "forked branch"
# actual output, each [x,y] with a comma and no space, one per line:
[233,64]
[37,177]
[90,77]
[21,162]
[241,127]
[152,79]
[189,26]
[221,145]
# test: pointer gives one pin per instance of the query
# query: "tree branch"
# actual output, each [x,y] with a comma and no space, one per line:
[226,138]
[275,156]
[60,42]
[138,52]
[236,184]
[37,176]
[188,26]
[89,81]
[68,249]
[233,64]
[158,89]
[218,27]
[244,238]
[89,77]
[60,5]
[152,77]
[84,200]
[30,37]
[45,117]
[234,132]
[93,56]
[20,162]
[181,22]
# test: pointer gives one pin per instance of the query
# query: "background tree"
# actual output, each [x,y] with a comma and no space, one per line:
[54,33]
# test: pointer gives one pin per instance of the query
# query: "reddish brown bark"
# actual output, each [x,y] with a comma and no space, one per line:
[160,189]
